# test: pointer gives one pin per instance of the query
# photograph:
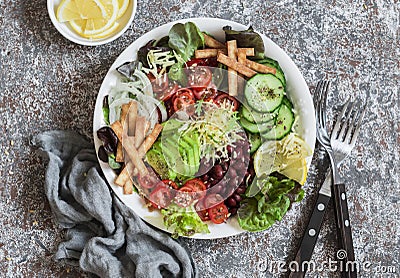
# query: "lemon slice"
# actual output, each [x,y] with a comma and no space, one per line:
[69,10]
[78,25]
[96,26]
[286,156]
[107,32]
[122,7]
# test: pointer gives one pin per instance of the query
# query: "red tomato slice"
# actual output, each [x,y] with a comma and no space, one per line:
[198,186]
[169,92]
[205,62]
[161,197]
[148,181]
[218,214]
[183,98]
[199,76]
[205,93]
[203,213]
[159,84]
[171,184]
[184,196]
[228,99]
[212,200]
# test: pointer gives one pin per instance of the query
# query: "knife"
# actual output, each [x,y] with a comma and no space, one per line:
[304,253]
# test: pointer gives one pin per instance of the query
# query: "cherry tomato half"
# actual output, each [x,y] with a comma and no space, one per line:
[205,62]
[169,92]
[161,196]
[171,184]
[205,93]
[158,84]
[197,186]
[227,99]
[212,200]
[218,214]
[203,213]
[183,98]
[148,181]
[184,196]
[199,77]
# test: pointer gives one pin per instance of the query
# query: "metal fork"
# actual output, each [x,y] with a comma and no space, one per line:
[342,141]
[341,151]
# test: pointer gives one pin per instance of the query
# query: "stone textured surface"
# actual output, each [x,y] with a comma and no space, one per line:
[48,82]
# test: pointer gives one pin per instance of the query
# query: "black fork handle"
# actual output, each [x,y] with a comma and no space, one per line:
[346,254]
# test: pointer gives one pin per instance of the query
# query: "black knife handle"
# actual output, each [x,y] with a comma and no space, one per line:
[310,236]
[344,231]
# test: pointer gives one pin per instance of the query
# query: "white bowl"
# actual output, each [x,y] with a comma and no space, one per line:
[297,89]
[66,30]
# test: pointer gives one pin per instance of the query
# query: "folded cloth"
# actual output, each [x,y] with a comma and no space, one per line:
[104,237]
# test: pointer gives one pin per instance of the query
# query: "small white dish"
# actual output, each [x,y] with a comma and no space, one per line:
[66,30]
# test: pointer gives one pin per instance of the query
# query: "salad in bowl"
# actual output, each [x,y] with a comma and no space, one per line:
[205,135]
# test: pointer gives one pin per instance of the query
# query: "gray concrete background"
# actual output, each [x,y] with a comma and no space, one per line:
[47,82]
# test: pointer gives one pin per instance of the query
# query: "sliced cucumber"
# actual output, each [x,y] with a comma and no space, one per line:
[256,128]
[255,141]
[274,64]
[264,92]
[287,102]
[283,124]
[256,117]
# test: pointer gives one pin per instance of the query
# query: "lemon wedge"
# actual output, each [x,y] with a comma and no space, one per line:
[286,156]
[296,171]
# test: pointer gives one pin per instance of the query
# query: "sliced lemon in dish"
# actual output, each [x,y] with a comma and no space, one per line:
[122,7]
[95,26]
[69,10]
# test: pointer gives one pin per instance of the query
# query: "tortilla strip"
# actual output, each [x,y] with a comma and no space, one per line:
[131,118]
[140,130]
[208,53]
[232,73]
[235,65]
[150,139]
[128,187]
[242,54]
[118,130]
[211,42]
[259,67]
[131,151]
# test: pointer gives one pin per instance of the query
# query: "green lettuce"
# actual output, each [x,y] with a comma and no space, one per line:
[267,201]
[183,221]
[247,38]
[184,39]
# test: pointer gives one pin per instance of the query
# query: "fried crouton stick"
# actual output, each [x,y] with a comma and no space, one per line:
[235,65]
[211,42]
[232,73]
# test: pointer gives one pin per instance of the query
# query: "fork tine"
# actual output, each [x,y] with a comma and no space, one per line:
[352,125]
[346,122]
[336,128]
[357,130]
[324,94]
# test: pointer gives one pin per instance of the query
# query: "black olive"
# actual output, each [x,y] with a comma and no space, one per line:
[109,139]
[102,153]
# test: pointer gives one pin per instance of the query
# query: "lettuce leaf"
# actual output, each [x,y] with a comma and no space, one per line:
[183,221]
[246,38]
[267,201]
[184,39]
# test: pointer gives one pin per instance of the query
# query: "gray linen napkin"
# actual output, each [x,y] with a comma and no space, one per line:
[103,236]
